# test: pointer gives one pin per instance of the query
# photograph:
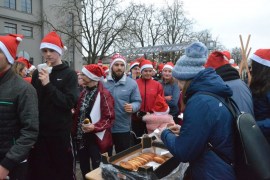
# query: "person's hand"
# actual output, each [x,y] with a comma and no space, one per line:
[3,172]
[128,107]
[43,76]
[175,129]
[88,128]
[168,98]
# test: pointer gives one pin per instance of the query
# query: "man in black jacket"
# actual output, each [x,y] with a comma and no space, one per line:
[18,114]
[52,156]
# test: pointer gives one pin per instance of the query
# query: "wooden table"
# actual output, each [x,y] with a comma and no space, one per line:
[94,175]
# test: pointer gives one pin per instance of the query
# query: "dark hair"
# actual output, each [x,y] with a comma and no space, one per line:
[260,83]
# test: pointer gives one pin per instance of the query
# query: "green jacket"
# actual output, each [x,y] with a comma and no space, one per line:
[18,119]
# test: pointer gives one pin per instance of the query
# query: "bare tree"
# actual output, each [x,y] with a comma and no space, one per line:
[178,28]
[206,37]
[236,54]
[99,21]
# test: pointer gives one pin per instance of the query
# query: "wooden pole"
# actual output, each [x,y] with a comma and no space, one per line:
[244,64]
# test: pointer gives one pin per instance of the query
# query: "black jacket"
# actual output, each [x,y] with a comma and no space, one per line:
[18,119]
[56,100]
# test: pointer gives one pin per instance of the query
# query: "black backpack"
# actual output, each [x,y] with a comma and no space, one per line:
[252,150]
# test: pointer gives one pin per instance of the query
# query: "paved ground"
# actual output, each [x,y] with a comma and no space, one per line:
[78,172]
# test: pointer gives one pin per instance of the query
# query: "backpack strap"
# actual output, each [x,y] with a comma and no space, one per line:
[233,108]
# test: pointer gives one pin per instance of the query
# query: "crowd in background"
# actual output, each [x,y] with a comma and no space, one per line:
[43,110]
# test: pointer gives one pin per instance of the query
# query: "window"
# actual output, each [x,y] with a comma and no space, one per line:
[26,6]
[27,31]
[10,4]
[10,28]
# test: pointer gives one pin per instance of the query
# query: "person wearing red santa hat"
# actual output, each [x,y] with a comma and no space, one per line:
[149,90]
[241,92]
[134,70]
[100,63]
[260,88]
[21,67]
[94,98]
[171,90]
[106,70]
[57,94]
[160,117]
[18,113]
[127,100]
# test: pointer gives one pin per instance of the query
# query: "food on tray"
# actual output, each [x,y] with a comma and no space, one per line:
[134,163]
[127,165]
[159,159]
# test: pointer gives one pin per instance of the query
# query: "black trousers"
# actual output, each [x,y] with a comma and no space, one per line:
[122,141]
[139,128]
[89,151]
[52,158]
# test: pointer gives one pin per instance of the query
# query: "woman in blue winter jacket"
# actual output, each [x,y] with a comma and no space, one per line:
[206,120]
[171,90]
[260,87]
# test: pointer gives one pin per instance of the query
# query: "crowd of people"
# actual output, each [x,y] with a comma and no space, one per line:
[43,111]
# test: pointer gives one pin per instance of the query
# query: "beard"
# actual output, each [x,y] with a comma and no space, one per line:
[117,75]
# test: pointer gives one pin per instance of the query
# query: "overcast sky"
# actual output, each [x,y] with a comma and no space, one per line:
[227,19]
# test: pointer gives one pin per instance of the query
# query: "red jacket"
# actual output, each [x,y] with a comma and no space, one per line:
[149,89]
[107,111]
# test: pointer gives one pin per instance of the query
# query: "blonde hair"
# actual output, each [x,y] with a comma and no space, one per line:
[184,91]
[18,67]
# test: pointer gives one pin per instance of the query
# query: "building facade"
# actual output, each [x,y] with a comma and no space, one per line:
[27,17]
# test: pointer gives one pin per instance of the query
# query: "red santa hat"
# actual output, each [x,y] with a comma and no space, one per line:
[262,56]
[24,61]
[216,59]
[160,67]
[145,63]
[160,106]
[100,62]
[105,69]
[227,55]
[133,64]
[53,41]
[118,57]
[93,71]
[9,45]
[168,65]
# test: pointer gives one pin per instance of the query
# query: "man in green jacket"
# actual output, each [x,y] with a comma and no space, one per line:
[18,114]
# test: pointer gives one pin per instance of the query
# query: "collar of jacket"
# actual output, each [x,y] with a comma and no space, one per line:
[227,72]
[121,81]
[59,67]
[6,75]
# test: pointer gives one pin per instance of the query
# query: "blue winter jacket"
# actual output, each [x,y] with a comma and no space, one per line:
[174,91]
[124,91]
[206,119]
[262,113]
